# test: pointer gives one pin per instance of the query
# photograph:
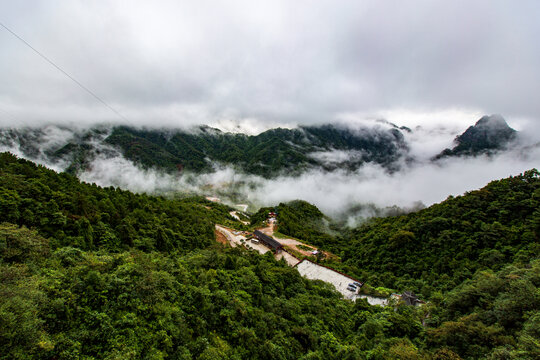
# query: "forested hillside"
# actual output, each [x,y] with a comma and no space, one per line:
[439,247]
[489,134]
[271,153]
[91,272]
[301,220]
[91,217]
[436,248]
[474,257]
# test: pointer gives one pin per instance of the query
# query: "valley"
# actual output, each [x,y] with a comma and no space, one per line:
[269,180]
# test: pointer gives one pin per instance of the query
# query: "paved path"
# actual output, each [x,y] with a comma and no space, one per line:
[314,271]
[234,214]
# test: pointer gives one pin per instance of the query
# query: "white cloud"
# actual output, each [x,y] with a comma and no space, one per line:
[333,192]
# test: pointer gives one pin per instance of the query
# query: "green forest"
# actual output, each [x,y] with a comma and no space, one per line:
[102,273]
[270,153]
[199,149]
[274,152]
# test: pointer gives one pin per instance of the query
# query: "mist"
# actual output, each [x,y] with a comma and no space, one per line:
[351,196]
[336,193]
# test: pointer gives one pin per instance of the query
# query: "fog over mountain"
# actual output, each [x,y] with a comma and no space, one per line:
[401,171]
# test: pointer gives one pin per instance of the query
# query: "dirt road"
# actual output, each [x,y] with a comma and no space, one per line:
[234,214]
[236,239]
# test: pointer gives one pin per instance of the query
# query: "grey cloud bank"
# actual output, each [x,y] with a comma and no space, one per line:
[245,64]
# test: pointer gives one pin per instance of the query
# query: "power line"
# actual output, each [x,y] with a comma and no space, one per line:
[64,72]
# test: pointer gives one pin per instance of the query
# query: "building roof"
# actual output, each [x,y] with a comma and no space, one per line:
[270,241]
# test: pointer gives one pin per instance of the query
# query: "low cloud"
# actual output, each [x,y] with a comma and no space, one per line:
[333,157]
[335,193]
[343,194]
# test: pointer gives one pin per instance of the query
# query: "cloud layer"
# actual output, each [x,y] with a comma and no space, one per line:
[178,63]
[337,193]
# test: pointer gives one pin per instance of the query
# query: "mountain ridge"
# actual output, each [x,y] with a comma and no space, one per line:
[271,153]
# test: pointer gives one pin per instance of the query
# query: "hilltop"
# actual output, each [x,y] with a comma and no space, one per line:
[271,153]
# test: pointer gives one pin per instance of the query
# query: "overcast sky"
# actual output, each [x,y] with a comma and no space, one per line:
[264,63]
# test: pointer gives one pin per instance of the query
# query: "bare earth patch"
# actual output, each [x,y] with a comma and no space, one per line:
[220,238]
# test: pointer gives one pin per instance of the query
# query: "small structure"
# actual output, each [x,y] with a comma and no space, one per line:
[268,241]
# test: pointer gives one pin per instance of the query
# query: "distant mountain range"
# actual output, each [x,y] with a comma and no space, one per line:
[273,152]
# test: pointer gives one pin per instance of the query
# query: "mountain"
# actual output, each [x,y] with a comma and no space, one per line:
[488,135]
[272,153]
[200,149]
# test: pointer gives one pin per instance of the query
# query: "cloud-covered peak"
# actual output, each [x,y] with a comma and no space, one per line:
[489,134]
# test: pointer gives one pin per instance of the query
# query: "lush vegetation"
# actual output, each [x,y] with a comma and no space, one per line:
[455,254]
[434,249]
[302,220]
[90,217]
[269,153]
[273,152]
[209,304]
[439,247]
[90,272]
[493,313]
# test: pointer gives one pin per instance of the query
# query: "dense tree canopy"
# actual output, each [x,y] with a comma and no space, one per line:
[101,273]
[439,247]
[90,217]
[436,248]
[270,153]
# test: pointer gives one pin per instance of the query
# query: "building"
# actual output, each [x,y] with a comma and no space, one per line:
[268,241]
